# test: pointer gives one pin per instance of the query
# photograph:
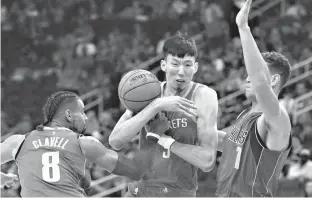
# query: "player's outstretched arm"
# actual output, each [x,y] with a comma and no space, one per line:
[128,125]
[9,147]
[202,156]
[260,78]
[110,160]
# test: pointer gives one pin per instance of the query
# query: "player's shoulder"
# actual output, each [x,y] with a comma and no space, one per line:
[283,110]
[205,91]
[90,147]
[15,139]
[88,143]
[88,139]
[11,145]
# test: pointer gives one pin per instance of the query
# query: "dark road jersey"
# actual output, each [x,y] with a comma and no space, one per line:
[247,168]
[167,169]
[51,164]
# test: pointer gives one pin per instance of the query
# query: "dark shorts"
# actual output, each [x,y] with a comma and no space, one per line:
[138,190]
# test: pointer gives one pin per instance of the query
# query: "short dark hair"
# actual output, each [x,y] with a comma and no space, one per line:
[180,45]
[53,103]
[278,64]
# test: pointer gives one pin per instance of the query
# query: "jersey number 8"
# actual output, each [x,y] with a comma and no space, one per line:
[51,169]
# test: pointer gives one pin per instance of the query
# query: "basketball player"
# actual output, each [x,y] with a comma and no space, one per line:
[53,160]
[256,147]
[191,139]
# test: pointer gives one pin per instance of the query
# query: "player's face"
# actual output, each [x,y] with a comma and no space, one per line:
[250,94]
[80,119]
[179,71]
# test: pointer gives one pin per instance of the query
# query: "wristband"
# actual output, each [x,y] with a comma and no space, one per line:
[166,141]
[150,134]
[152,137]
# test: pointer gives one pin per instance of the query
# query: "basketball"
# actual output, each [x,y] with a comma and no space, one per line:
[137,89]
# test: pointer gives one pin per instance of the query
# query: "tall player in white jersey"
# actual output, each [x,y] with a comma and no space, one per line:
[257,146]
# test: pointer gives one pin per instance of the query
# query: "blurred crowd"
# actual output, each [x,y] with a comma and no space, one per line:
[80,45]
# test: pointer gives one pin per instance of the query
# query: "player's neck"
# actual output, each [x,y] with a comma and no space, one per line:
[255,107]
[171,91]
[56,123]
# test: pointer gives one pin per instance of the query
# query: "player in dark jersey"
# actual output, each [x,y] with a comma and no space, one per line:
[53,161]
[256,147]
[190,124]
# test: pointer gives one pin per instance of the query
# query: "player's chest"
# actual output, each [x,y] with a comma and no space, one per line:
[239,132]
[182,128]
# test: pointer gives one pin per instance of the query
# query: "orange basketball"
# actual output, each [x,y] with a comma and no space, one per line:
[137,89]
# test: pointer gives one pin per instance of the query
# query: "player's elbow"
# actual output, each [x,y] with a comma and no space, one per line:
[208,167]
[208,164]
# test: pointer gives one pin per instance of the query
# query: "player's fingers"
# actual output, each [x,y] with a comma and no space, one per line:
[247,5]
[13,176]
[188,111]
[190,114]
[186,100]
[9,184]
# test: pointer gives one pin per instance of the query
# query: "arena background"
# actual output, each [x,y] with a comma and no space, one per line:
[86,45]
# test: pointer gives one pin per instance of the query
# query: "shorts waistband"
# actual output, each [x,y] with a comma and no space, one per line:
[163,187]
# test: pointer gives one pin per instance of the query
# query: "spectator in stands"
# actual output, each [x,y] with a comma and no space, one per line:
[302,170]
[85,48]
[301,89]
[178,8]
[107,8]
[160,44]
[296,9]
[288,102]
[93,124]
[106,126]
[274,42]
[211,12]
[22,127]
[4,125]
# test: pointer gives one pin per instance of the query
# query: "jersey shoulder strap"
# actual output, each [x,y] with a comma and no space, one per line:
[190,94]
[242,114]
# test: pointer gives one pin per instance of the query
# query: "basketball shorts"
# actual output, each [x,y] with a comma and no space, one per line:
[138,190]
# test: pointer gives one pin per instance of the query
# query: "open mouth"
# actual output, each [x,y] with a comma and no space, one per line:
[180,81]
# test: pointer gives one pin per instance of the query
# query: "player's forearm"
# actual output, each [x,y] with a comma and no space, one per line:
[203,158]
[126,167]
[256,67]
[124,133]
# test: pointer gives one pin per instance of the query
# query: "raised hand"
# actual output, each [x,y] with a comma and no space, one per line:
[178,104]
[242,16]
